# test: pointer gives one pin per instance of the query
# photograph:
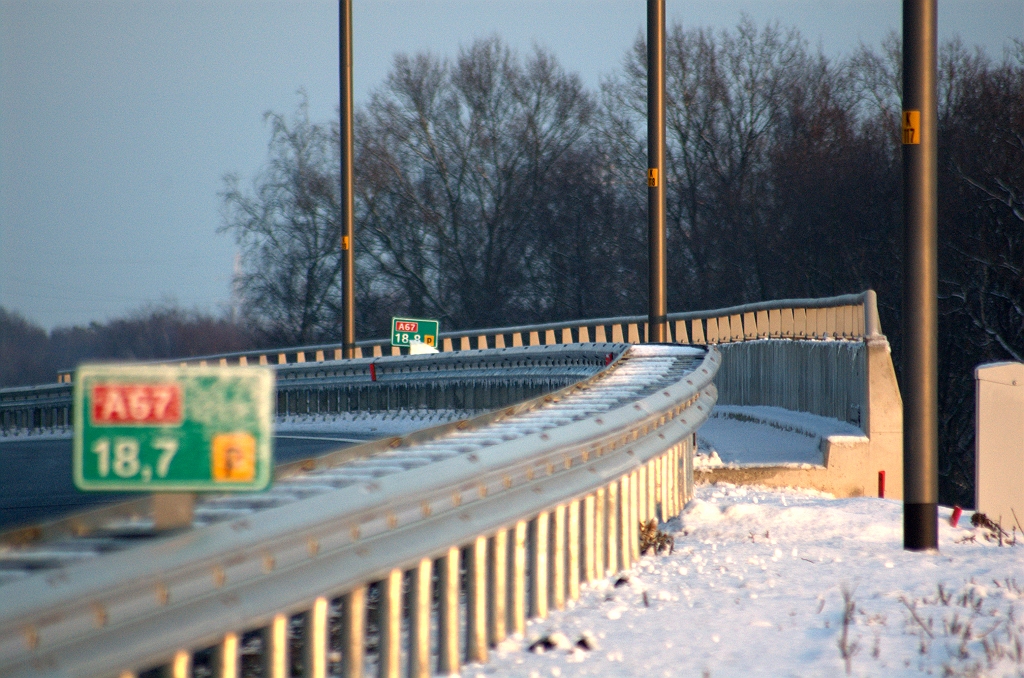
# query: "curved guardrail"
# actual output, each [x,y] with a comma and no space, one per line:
[527,502]
[848,316]
[468,381]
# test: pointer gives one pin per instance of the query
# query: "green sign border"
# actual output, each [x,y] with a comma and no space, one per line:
[436,334]
[260,425]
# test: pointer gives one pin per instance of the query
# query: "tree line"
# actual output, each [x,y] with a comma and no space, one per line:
[30,355]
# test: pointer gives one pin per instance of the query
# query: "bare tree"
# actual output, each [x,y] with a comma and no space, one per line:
[725,95]
[454,158]
[985,152]
[288,229]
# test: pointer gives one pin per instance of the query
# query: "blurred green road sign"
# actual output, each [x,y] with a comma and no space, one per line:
[406,330]
[157,428]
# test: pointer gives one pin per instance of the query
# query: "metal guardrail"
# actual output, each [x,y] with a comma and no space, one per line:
[483,537]
[469,381]
[849,316]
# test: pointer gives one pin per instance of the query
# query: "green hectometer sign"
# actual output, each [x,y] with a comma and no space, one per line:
[160,428]
[406,330]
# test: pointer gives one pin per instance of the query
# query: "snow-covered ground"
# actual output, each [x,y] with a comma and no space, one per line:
[791,583]
[759,435]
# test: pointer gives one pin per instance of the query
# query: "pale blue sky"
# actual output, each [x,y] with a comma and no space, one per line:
[119,118]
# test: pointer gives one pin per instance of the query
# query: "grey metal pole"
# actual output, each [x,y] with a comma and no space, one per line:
[657,323]
[348,264]
[920,277]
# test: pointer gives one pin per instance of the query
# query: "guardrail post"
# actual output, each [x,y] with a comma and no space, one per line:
[274,658]
[448,631]
[634,515]
[539,567]
[625,500]
[226,657]
[663,487]
[180,666]
[315,664]
[589,539]
[673,481]
[421,598]
[600,509]
[652,493]
[558,559]
[476,602]
[641,493]
[573,537]
[353,632]
[389,625]
[497,572]
[611,521]
[519,579]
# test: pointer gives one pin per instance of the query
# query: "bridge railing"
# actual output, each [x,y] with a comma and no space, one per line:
[451,381]
[850,316]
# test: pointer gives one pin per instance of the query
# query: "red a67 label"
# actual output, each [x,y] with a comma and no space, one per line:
[148,404]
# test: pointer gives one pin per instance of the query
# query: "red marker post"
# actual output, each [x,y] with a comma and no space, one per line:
[881,484]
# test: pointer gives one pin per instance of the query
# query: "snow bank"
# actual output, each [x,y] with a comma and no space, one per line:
[790,583]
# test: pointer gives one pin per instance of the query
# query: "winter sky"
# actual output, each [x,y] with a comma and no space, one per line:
[119,118]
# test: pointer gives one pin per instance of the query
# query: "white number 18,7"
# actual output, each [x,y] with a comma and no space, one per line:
[125,462]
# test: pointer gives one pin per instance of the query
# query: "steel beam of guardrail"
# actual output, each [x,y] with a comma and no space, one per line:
[571,497]
[471,381]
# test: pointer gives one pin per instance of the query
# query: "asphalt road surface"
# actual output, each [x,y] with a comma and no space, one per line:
[36,483]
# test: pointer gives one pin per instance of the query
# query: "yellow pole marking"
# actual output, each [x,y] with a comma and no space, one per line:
[652,177]
[911,127]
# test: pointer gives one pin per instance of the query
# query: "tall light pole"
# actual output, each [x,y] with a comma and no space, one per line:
[348,264]
[920,277]
[657,309]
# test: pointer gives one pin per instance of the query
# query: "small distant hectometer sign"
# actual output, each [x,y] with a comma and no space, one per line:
[407,330]
[157,428]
